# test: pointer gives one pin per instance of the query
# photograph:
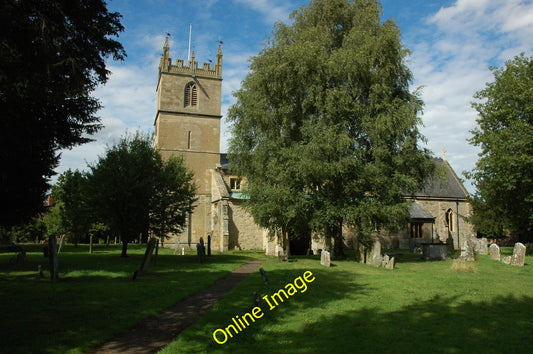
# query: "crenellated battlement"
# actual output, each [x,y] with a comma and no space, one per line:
[192,68]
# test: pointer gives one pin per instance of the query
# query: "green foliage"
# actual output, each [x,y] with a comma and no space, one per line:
[503,174]
[71,195]
[132,191]
[325,127]
[53,56]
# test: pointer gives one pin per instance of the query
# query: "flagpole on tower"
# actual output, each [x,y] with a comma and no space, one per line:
[189,53]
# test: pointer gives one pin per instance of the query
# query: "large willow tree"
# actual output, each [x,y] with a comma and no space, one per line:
[325,127]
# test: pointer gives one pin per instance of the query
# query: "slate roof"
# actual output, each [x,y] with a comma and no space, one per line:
[416,211]
[448,186]
[224,162]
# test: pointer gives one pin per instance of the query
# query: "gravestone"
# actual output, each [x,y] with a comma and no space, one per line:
[506,260]
[325,258]
[467,252]
[519,255]
[390,264]
[264,275]
[147,256]
[385,260]
[375,254]
[257,299]
[481,245]
[200,250]
[495,252]
[52,256]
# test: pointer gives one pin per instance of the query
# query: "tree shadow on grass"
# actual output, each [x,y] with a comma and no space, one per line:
[440,325]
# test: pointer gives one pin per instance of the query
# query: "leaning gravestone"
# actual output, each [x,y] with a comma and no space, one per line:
[147,256]
[467,252]
[264,275]
[52,256]
[495,252]
[385,260]
[325,258]
[519,255]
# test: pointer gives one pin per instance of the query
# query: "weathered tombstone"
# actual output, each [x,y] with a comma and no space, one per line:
[495,252]
[385,260]
[519,255]
[467,252]
[52,256]
[481,245]
[147,256]
[183,251]
[325,258]
[200,250]
[208,245]
[506,260]
[390,264]
[264,275]
[375,255]
[257,299]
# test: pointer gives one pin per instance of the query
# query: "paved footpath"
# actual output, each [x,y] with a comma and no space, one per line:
[157,331]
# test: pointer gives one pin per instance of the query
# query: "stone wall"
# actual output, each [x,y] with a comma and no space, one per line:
[244,233]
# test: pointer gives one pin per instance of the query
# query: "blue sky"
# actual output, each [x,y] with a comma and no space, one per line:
[452,43]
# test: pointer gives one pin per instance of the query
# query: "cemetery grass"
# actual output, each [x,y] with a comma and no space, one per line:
[419,307]
[95,297]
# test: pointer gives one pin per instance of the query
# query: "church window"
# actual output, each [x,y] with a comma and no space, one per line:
[416,230]
[191,95]
[235,184]
[189,139]
[449,219]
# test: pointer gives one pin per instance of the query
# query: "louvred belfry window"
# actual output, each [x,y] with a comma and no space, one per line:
[191,95]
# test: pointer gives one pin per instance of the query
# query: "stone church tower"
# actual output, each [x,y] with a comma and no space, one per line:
[187,123]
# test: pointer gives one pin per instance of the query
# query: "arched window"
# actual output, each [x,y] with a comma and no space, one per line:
[449,219]
[191,95]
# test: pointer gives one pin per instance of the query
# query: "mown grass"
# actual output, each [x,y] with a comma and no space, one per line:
[95,297]
[420,307]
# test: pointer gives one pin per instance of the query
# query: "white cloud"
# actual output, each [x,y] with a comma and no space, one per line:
[271,11]
[452,64]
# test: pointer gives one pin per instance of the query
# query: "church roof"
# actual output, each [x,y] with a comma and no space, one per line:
[416,211]
[444,184]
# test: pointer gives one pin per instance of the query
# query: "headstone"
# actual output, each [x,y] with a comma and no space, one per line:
[257,299]
[435,251]
[325,258]
[506,260]
[467,252]
[200,250]
[481,245]
[183,251]
[147,256]
[375,255]
[385,260]
[519,255]
[264,275]
[495,252]
[390,264]
[52,256]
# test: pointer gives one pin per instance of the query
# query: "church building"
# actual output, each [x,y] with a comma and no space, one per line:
[187,123]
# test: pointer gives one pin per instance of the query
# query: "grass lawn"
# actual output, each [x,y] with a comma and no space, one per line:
[419,307]
[95,297]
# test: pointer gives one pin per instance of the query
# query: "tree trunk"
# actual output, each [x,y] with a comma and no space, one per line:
[90,244]
[335,232]
[124,248]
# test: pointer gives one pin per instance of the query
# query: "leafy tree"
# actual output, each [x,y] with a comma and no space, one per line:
[52,56]
[173,198]
[325,127]
[70,193]
[133,191]
[503,174]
